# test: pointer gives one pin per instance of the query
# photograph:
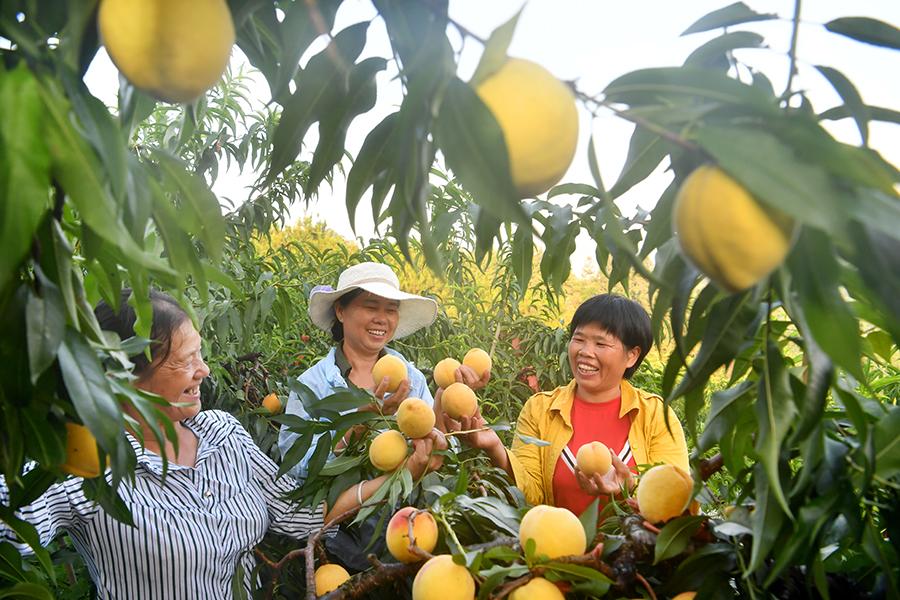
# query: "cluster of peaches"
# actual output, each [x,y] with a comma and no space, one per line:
[415,418]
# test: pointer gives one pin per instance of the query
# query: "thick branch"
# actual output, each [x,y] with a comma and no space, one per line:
[710,466]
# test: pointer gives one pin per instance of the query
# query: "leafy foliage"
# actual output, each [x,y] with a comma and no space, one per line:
[805,421]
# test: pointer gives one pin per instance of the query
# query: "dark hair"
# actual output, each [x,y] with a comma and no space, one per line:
[167,317]
[625,319]
[337,328]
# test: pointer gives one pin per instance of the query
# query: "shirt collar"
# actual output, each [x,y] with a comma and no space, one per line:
[343,365]
[209,439]
[563,402]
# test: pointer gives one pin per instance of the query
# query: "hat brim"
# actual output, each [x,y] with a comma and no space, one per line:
[416,312]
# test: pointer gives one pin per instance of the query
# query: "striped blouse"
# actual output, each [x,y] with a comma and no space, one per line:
[190,531]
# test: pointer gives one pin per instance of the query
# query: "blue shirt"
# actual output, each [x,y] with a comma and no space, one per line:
[191,530]
[325,378]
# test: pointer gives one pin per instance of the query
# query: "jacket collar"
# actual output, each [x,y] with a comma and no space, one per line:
[564,400]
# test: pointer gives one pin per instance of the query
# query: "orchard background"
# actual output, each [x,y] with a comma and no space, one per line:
[788,390]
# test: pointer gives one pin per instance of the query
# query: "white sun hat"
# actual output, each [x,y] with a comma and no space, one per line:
[416,312]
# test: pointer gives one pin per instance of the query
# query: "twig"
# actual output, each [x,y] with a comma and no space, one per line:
[322,27]
[792,53]
[646,585]
[466,431]
[507,588]
[710,466]
[359,585]
[413,548]
[466,32]
[310,550]
[640,121]
[650,527]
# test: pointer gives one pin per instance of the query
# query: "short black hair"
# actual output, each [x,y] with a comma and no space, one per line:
[337,328]
[625,319]
[167,317]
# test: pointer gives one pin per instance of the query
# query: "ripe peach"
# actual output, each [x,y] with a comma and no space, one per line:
[685,596]
[425,532]
[478,360]
[537,589]
[415,418]
[445,372]
[442,579]
[82,458]
[330,577]
[555,531]
[393,368]
[272,403]
[459,400]
[594,457]
[388,450]
[664,492]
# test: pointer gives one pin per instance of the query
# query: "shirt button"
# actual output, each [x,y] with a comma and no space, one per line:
[208,493]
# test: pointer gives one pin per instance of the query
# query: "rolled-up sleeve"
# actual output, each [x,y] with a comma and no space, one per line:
[526,459]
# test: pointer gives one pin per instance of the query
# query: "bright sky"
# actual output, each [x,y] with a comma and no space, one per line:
[593,42]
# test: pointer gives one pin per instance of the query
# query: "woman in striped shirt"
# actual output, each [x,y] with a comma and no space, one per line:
[195,527]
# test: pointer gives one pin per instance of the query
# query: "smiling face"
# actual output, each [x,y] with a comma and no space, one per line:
[598,360]
[177,377]
[369,322]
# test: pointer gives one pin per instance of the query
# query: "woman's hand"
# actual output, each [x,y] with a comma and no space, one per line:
[610,483]
[423,458]
[465,374]
[390,404]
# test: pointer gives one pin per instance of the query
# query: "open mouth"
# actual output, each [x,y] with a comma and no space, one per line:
[192,391]
[586,369]
[377,332]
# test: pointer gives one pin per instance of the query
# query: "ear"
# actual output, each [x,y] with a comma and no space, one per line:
[339,312]
[632,354]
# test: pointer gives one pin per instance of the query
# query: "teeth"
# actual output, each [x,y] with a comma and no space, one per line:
[587,369]
[377,331]
[192,391]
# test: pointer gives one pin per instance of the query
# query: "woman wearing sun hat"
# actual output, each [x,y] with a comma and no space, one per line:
[363,313]
[366,311]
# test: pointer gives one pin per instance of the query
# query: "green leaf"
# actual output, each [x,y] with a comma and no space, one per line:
[321,84]
[494,54]
[876,113]
[887,444]
[532,440]
[28,534]
[674,85]
[75,166]
[675,536]
[522,255]
[588,520]
[475,150]
[645,151]
[300,27]
[199,212]
[775,412]
[865,29]
[359,97]
[716,50]
[733,14]
[45,322]
[767,519]
[24,168]
[87,386]
[375,160]
[826,312]
[852,100]
[27,590]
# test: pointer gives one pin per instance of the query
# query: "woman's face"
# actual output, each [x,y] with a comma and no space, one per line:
[177,378]
[369,321]
[598,360]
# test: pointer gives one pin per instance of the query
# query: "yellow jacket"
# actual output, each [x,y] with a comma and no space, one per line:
[547,416]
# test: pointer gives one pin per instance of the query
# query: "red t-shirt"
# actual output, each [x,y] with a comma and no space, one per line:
[591,421]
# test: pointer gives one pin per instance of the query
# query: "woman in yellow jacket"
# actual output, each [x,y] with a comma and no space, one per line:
[609,337]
